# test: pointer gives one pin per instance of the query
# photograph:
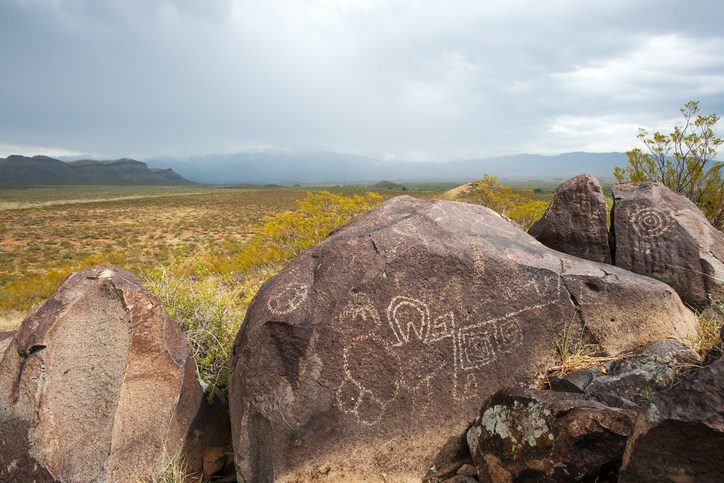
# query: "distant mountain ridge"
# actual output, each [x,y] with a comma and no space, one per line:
[16,170]
[328,167]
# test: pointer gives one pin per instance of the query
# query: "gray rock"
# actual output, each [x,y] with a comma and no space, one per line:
[97,385]
[372,350]
[575,221]
[662,234]
[680,435]
[632,380]
[525,435]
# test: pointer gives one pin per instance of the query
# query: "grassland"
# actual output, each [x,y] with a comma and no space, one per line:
[47,233]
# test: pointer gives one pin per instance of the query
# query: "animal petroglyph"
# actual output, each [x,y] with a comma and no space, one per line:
[288,300]
[413,345]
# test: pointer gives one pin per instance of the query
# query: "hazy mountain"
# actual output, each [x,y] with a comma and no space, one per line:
[329,167]
[42,170]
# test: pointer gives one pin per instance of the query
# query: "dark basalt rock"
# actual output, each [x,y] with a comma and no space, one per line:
[575,221]
[373,349]
[631,380]
[680,435]
[525,435]
[662,234]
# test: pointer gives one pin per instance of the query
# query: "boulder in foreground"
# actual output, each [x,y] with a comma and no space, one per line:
[97,385]
[374,349]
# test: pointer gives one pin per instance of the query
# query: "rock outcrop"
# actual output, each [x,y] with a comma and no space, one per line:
[662,234]
[373,349]
[524,435]
[680,435]
[631,380]
[575,221]
[97,385]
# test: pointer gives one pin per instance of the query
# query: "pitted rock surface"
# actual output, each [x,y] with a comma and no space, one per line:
[374,348]
[97,385]
[662,234]
[575,221]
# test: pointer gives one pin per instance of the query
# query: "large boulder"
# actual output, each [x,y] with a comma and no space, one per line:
[662,234]
[97,385]
[372,351]
[524,435]
[680,435]
[575,221]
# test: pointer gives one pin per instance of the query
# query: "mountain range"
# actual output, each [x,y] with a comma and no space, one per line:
[330,167]
[18,170]
[284,167]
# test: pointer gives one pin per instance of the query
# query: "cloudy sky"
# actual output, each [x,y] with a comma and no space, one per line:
[415,80]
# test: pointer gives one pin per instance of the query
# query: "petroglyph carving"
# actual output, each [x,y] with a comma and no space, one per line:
[650,222]
[380,363]
[288,300]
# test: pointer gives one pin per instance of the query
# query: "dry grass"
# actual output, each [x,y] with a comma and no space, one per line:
[574,354]
[48,233]
[710,323]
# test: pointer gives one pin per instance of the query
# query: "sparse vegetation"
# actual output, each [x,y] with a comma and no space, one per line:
[523,206]
[574,353]
[710,324]
[204,251]
[175,470]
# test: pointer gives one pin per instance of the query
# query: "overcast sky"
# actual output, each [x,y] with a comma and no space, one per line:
[415,80]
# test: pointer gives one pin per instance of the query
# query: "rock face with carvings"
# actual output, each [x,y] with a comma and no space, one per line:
[97,385]
[662,234]
[374,348]
[575,221]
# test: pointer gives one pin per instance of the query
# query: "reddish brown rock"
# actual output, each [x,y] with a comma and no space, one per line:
[371,351]
[97,385]
[680,435]
[524,435]
[576,220]
[662,234]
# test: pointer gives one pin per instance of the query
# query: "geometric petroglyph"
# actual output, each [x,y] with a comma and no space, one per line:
[288,300]
[429,343]
[648,224]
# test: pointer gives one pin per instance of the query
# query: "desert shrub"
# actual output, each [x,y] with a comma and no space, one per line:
[520,206]
[684,161]
[285,235]
[207,311]
[208,293]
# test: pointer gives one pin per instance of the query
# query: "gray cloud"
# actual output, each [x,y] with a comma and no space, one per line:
[423,80]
